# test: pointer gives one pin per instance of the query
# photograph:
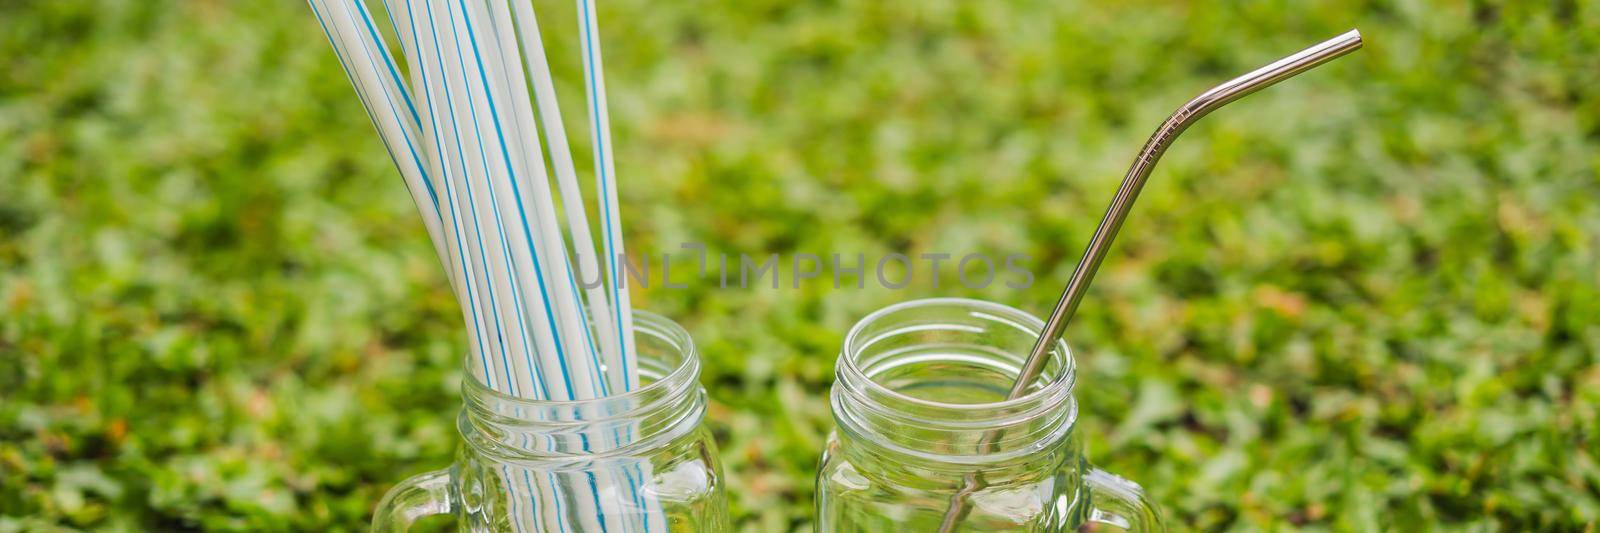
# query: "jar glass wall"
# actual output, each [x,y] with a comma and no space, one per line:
[636,462]
[927,441]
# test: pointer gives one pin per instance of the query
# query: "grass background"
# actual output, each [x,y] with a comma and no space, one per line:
[1368,297]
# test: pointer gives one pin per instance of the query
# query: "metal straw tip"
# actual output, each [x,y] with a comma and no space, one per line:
[1353,37]
[1346,42]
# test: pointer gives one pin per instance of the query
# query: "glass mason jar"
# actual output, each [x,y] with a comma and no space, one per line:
[926,440]
[635,462]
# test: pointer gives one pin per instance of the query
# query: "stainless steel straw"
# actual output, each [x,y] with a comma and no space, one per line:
[1180,120]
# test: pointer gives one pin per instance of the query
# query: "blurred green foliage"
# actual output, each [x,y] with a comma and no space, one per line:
[1368,297]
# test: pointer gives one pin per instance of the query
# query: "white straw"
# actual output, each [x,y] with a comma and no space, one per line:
[429,71]
[522,260]
[346,41]
[514,143]
[628,483]
[521,290]
[605,176]
[466,142]
[387,105]
[499,174]
[574,359]
[544,92]
[611,226]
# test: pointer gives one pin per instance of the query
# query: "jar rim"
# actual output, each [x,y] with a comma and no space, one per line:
[1063,379]
[686,370]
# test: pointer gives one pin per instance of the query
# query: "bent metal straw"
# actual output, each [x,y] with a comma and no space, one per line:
[1122,203]
[1154,148]
[460,129]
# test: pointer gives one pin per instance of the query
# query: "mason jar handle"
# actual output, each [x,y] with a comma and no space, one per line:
[423,495]
[1119,504]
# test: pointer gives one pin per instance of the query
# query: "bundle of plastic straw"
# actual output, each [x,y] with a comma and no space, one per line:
[462,118]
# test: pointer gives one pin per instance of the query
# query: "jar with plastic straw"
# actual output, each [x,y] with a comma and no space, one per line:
[636,461]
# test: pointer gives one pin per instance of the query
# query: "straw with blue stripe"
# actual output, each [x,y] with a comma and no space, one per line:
[466,143]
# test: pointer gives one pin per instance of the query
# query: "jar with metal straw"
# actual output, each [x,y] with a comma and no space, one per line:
[959,414]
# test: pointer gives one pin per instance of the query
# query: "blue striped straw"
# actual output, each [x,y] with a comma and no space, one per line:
[605,171]
[571,366]
[546,215]
[333,15]
[487,244]
[358,54]
[543,206]
[582,241]
[485,198]
[611,227]
[534,369]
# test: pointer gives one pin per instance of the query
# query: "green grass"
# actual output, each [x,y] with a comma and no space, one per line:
[1367,297]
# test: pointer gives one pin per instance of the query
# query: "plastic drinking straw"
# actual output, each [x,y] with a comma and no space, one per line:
[1122,203]
[468,136]
[515,142]
[537,194]
[587,383]
[391,124]
[501,24]
[526,23]
[400,21]
[387,106]
[549,238]
[551,364]
[514,264]
[509,86]
[509,280]
[582,380]
[605,176]
[611,227]
[359,64]
[527,28]
[422,70]
[448,142]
